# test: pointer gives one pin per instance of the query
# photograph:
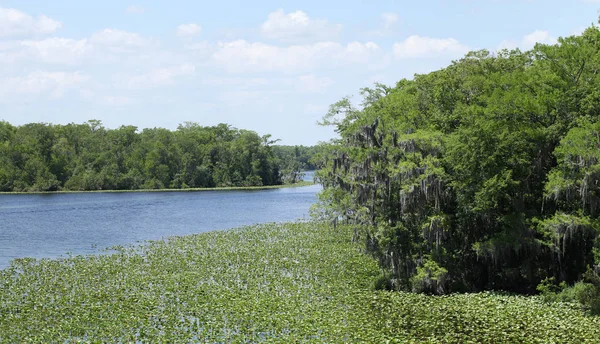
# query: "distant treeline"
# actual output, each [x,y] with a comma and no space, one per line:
[46,157]
[293,160]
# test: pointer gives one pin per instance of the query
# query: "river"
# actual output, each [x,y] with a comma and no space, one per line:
[54,225]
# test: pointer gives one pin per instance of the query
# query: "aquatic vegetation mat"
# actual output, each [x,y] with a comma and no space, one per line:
[297,282]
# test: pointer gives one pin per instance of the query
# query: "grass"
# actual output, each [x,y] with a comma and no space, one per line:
[287,283]
[229,188]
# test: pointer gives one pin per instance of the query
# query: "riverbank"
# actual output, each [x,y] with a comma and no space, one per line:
[231,188]
[296,282]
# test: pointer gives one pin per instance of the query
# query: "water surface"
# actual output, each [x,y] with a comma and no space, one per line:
[52,225]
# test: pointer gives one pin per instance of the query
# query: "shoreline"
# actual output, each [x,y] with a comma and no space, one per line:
[228,188]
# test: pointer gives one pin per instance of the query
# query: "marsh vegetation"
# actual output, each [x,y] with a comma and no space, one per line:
[301,282]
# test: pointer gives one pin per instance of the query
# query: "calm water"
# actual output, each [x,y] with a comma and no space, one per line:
[49,226]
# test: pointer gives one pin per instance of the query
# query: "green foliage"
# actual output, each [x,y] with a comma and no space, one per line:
[575,182]
[430,278]
[383,282]
[487,170]
[284,283]
[46,157]
[586,291]
[588,295]
[551,292]
[293,160]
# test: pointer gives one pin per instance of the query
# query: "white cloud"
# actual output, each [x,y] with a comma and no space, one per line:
[312,83]
[117,100]
[106,45]
[316,109]
[53,84]
[157,77]
[16,23]
[538,36]
[118,39]
[188,30]
[298,27]
[199,51]
[417,47]
[528,41]
[362,53]
[203,46]
[135,10]
[305,83]
[389,19]
[46,25]
[386,26]
[57,50]
[241,56]
[235,81]
[11,52]
[509,44]
[245,98]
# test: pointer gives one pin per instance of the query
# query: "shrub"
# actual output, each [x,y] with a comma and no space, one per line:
[430,278]
[586,291]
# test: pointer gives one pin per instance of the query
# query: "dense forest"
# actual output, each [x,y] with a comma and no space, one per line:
[484,175]
[46,157]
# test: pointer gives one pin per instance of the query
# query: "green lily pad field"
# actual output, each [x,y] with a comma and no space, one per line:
[287,283]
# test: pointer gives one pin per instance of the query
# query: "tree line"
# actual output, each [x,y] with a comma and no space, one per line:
[294,160]
[484,175]
[88,156]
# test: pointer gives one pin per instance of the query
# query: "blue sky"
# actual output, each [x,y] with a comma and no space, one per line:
[269,66]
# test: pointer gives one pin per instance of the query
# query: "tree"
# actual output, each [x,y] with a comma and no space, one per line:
[45,157]
[482,175]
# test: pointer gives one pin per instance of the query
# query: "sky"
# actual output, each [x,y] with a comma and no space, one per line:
[269,66]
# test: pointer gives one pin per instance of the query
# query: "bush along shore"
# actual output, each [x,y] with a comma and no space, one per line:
[296,282]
